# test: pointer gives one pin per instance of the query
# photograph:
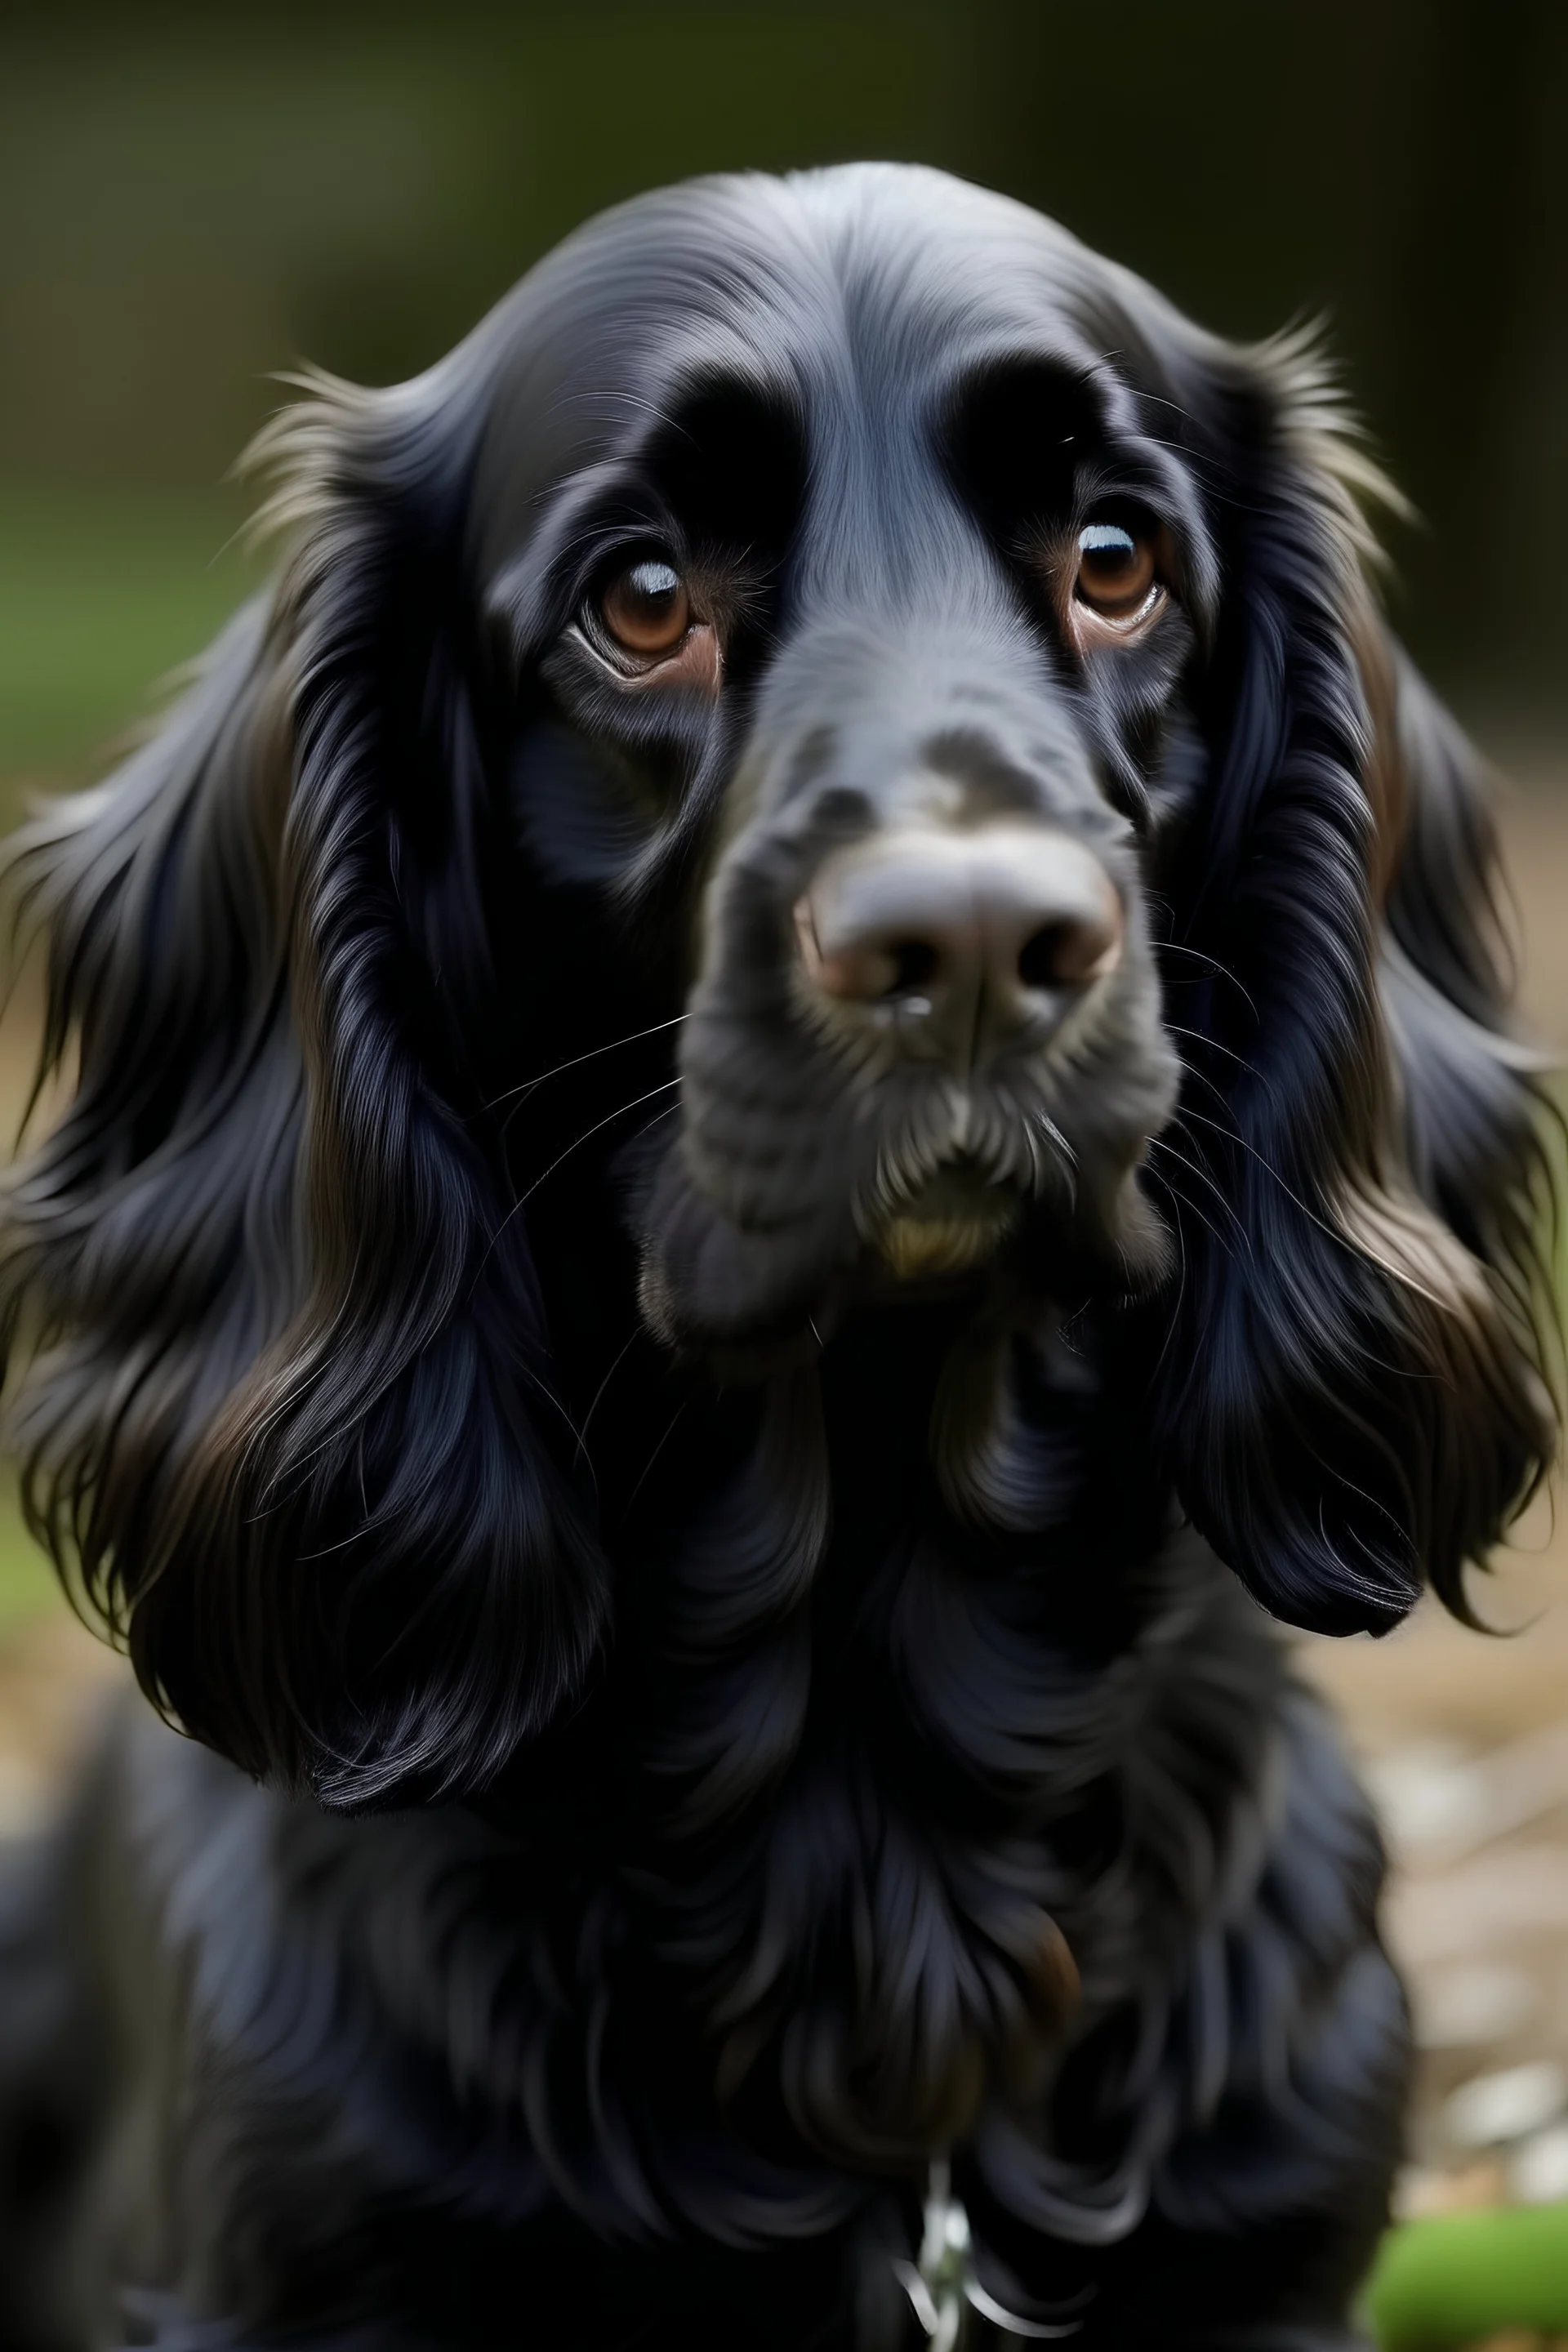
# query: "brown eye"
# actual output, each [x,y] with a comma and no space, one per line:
[647,609]
[1115,569]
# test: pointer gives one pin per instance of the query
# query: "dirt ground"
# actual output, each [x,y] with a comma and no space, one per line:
[1463,1738]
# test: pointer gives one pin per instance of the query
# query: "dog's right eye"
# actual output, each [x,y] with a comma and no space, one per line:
[646,609]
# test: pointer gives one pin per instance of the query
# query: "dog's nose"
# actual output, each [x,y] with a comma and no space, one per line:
[989,933]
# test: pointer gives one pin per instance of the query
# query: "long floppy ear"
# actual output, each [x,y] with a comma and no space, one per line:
[280,1417]
[1359,1399]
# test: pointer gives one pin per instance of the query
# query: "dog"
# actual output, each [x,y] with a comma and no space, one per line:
[786,1095]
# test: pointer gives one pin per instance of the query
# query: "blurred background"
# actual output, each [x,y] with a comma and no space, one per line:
[190,198]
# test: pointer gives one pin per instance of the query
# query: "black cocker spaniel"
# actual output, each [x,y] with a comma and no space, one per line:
[792,1073]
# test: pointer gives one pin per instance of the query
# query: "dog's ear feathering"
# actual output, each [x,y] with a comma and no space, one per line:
[1359,1394]
[286,1425]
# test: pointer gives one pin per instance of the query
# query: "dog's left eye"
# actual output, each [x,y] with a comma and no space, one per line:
[647,609]
[1115,569]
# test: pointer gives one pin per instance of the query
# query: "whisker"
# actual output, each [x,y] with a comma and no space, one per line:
[609,400]
[1058,1138]
[598,1397]
[586,1136]
[1174,1316]
[1161,1143]
[544,1389]
[1172,947]
[653,1457]
[1218,1238]
[528,1085]
[1203,1079]
[1070,1157]
[1215,1046]
[1233,1135]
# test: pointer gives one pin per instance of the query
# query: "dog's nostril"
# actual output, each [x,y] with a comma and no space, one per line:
[1072,949]
[914,963]
[1040,959]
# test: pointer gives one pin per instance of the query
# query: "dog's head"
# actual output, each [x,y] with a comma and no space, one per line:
[839,644]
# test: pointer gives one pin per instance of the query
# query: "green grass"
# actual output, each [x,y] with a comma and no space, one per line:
[1461,2278]
[26,1581]
[102,593]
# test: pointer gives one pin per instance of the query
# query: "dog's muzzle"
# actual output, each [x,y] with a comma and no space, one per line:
[927,1017]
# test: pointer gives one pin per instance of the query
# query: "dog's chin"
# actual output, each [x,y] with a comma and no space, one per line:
[956,1224]
[753,1299]
[961,1232]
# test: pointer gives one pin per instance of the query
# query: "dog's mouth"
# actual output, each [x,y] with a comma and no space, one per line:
[843,1218]
[955,1224]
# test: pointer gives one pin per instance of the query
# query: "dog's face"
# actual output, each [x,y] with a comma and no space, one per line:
[867,591]
[846,634]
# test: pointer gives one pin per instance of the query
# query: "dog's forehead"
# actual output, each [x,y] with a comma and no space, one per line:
[859,285]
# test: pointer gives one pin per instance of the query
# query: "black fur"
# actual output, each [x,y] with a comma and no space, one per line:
[734,1728]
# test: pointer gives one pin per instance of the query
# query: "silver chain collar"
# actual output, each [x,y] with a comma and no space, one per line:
[943,2285]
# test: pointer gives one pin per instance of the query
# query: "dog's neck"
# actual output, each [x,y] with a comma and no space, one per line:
[832,1699]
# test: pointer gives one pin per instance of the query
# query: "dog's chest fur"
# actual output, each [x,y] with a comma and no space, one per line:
[947,1867]
[893,1816]
[956,1844]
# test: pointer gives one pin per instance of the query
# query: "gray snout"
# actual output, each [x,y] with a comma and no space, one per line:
[961,940]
